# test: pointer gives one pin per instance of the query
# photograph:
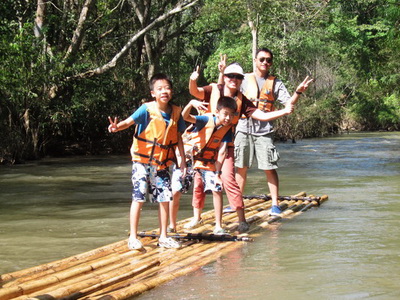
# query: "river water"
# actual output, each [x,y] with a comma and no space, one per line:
[348,248]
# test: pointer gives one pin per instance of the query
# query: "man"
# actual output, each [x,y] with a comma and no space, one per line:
[254,138]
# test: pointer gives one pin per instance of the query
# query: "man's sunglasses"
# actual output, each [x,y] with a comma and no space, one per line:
[268,60]
[235,76]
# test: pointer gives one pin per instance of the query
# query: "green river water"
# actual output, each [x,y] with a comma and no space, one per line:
[349,248]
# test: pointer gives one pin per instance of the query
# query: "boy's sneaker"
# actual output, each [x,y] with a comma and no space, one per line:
[243,227]
[275,210]
[219,231]
[134,244]
[228,209]
[193,223]
[168,243]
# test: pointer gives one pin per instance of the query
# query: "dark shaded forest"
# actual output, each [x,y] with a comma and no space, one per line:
[67,65]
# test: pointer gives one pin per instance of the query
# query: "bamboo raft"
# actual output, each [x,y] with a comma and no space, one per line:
[115,272]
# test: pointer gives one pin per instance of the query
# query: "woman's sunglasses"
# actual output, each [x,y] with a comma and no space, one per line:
[235,76]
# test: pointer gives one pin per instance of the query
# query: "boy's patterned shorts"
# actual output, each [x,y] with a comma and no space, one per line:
[180,184]
[208,178]
[146,178]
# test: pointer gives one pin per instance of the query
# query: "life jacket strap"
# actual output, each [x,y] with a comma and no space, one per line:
[165,147]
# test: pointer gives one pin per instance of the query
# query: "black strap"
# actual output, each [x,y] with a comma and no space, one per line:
[155,143]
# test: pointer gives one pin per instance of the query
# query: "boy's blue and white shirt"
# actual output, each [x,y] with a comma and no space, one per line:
[141,117]
[201,122]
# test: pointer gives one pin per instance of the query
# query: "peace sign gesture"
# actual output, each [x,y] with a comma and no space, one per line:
[304,85]
[195,74]
[113,125]
[222,63]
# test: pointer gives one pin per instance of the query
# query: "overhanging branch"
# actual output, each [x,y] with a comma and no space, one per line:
[113,62]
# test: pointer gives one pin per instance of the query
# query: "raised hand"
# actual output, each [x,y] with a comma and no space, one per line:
[200,106]
[113,124]
[222,63]
[195,74]
[304,85]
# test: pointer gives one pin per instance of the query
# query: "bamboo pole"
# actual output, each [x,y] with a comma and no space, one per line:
[111,270]
[105,269]
[198,248]
[98,282]
[167,260]
[65,262]
[209,217]
[202,237]
[188,265]
[57,277]
[190,248]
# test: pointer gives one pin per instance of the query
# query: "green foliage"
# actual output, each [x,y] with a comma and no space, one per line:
[389,115]
[350,47]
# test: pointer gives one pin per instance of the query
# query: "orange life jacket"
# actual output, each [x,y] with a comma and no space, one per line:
[205,143]
[156,144]
[265,99]
[214,97]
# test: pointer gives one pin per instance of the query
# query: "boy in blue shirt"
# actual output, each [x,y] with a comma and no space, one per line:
[157,135]
[209,139]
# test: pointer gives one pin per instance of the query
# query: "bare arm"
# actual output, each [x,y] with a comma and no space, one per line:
[200,106]
[221,68]
[302,87]
[222,152]
[115,126]
[194,90]
[182,155]
[273,115]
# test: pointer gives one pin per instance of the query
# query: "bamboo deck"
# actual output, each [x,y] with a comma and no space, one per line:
[115,272]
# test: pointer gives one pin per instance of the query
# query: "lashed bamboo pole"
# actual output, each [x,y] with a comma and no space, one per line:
[254,215]
[131,291]
[68,263]
[209,220]
[74,271]
[189,249]
[190,264]
[65,262]
[90,262]
[168,260]
[111,270]
[110,281]
[38,284]
[209,217]
[296,212]
[90,284]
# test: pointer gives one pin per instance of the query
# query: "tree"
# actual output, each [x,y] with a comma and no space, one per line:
[71,43]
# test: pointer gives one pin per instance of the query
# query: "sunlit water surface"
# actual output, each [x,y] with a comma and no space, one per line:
[346,249]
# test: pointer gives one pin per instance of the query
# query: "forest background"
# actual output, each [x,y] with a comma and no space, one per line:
[67,65]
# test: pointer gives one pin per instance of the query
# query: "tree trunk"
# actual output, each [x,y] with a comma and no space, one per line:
[39,20]
[254,31]
[182,5]
[78,33]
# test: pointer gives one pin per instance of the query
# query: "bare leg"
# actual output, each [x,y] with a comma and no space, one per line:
[134,218]
[173,209]
[163,218]
[240,214]
[217,200]
[273,184]
[197,213]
